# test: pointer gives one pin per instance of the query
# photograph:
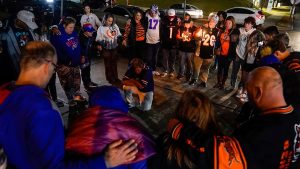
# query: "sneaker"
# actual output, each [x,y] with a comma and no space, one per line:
[156,73]
[203,84]
[92,85]
[164,74]
[230,88]
[59,103]
[244,97]
[193,82]
[180,77]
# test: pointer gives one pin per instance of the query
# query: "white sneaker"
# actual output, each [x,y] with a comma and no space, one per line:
[244,97]
[156,73]
[164,74]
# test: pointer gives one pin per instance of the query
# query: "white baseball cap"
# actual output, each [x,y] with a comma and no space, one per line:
[171,12]
[28,18]
[213,17]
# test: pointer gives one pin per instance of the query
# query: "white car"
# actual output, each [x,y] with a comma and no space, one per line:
[240,13]
[194,11]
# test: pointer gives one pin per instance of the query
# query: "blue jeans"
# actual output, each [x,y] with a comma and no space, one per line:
[132,101]
[185,63]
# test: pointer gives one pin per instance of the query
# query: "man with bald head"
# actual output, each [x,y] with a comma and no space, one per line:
[269,139]
[265,89]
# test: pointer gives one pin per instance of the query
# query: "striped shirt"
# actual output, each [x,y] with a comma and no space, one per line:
[139,31]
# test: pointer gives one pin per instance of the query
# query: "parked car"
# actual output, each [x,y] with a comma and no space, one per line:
[121,13]
[70,8]
[41,9]
[240,13]
[194,11]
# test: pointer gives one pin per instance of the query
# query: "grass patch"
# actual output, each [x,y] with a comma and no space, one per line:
[207,6]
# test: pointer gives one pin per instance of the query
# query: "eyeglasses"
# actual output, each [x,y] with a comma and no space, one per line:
[54,65]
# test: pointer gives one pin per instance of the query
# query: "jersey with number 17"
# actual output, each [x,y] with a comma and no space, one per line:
[152,34]
[208,40]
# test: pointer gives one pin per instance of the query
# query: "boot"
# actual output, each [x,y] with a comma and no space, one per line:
[223,83]
[219,82]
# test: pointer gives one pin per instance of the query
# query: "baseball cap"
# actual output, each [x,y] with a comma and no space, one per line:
[87,27]
[28,18]
[171,12]
[213,17]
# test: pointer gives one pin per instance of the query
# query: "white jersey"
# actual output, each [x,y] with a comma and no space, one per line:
[243,39]
[92,19]
[108,36]
[152,34]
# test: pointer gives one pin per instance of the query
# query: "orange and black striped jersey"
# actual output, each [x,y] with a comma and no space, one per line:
[138,32]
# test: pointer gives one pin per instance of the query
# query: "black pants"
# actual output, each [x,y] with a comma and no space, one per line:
[223,67]
[86,75]
[152,53]
[137,50]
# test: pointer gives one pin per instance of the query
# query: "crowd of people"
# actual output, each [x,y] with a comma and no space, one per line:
[33,134]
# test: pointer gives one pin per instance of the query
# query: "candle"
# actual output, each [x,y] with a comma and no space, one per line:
[198,34]
[171,31]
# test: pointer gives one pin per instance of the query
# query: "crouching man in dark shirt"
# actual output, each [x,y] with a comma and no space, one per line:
[138,80]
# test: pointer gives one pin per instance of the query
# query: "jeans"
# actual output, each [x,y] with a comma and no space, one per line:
[185,59]
[152,53]
[201,66]
[169,57]
[237,63]
[143,101]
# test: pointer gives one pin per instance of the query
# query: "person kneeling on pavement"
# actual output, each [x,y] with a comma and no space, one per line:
[138,80]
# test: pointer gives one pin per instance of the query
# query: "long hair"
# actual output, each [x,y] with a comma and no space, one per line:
[231,18]
[193,107]
[256,40]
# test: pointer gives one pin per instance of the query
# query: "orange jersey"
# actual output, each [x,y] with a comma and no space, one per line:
[225,43]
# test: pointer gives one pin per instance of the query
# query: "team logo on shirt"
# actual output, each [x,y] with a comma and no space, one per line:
[72,42]
[296,143]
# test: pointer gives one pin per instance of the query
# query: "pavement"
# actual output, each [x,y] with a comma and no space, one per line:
[168,91]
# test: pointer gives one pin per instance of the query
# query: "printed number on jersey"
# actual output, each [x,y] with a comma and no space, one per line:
[209,40]
[153,23]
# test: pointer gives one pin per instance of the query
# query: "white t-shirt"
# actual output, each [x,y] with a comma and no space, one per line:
[152,34]
[243,39]
[108,36]
[92,19]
